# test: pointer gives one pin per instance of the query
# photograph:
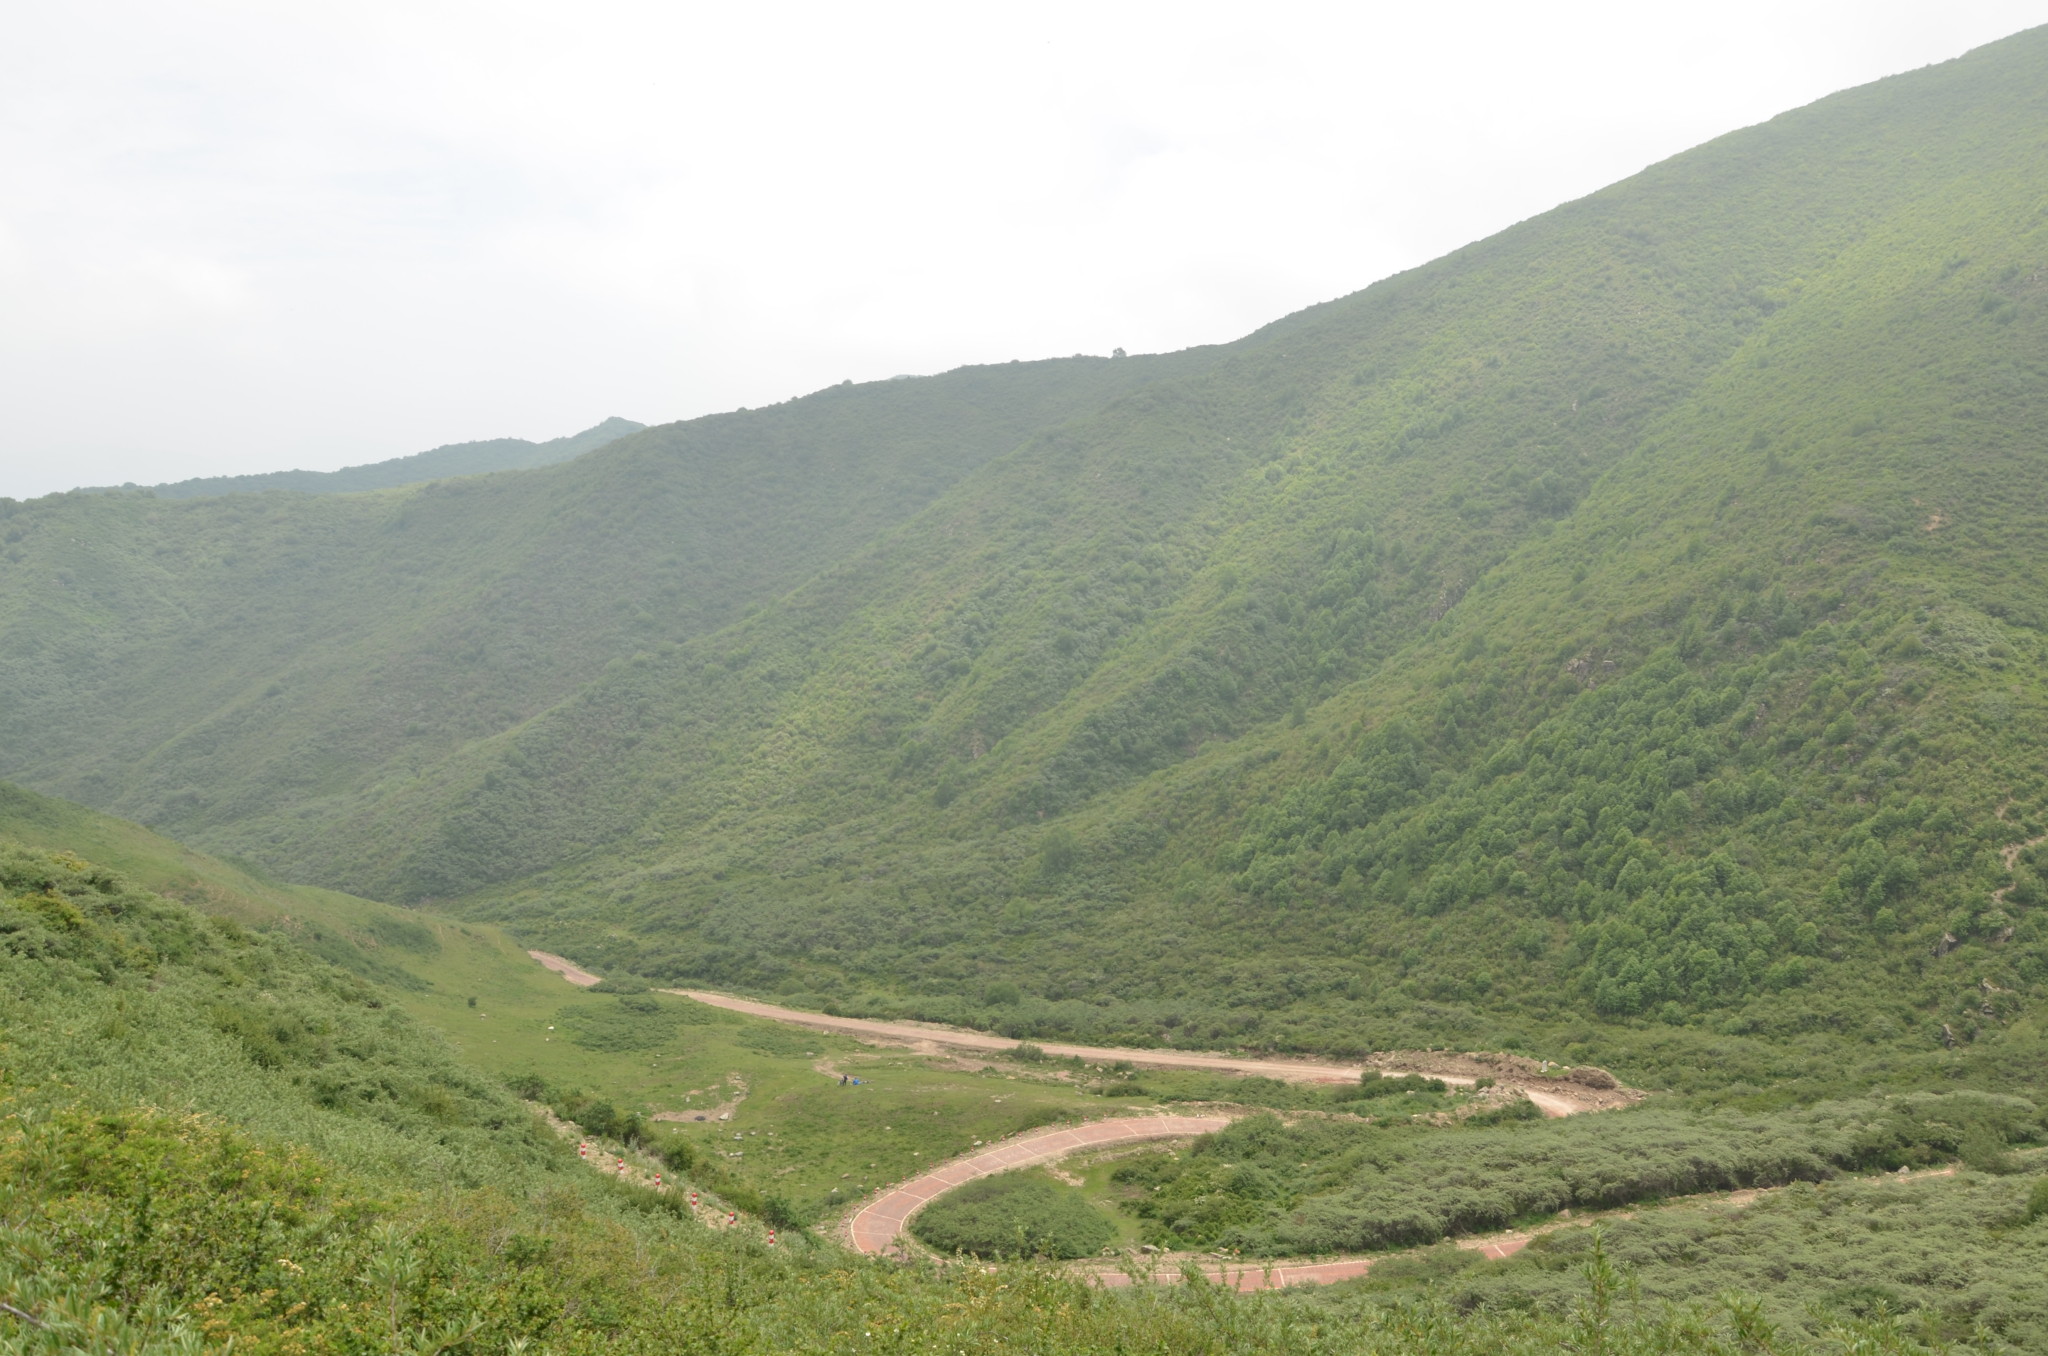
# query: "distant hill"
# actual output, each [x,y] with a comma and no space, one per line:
[455,459]
[161,655]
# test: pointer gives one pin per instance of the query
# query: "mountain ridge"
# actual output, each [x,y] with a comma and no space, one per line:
[437,463]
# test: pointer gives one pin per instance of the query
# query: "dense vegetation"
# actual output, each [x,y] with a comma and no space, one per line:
[1961,1260]
[1562,647]
[454,459]
[1335,1185]
[117,995]
[258,672]
[1014,1214]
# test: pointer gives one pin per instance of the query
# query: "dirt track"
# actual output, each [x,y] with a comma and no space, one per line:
[566,968]
[920,1033]
[1554,1096]
[875,1226]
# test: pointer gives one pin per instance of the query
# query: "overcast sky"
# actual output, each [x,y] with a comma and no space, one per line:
[252,236]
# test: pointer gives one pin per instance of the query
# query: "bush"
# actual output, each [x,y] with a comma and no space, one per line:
[1015,1214]
[1372,1086]
[1521,1109]
[2037,1201]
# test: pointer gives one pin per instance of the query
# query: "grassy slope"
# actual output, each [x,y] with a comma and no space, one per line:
[502,1015]
[1192,562]
[1787,638]
[241,670]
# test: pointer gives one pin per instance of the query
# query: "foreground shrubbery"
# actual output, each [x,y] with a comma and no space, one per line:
[117,994]
[144,1233]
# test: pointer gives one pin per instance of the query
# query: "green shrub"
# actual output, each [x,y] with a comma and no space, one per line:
[636,1022]
[1015,1214]
[1521,1109]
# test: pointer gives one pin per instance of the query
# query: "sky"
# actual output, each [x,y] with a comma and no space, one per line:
[241,237]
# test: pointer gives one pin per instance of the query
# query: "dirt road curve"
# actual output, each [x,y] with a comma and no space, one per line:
[566,968]
[875,1226]
[918,1033]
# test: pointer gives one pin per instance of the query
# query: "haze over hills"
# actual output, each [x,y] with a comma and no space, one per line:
[1624,631]
[439,463]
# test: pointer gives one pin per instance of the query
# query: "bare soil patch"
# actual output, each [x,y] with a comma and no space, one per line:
[566,968]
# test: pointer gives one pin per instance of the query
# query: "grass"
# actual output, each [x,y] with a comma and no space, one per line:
[810,1140]
[807,1138]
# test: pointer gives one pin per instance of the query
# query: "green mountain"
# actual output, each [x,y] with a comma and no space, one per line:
[439,463]
[1624,630]
[1621,636]
[239,669]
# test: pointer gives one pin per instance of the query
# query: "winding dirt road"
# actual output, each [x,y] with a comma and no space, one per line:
[1552,1097]
[920,1033]
[876,1226]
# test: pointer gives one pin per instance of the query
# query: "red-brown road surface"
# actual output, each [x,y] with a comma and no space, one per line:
[1254,1276]
[876,1225]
